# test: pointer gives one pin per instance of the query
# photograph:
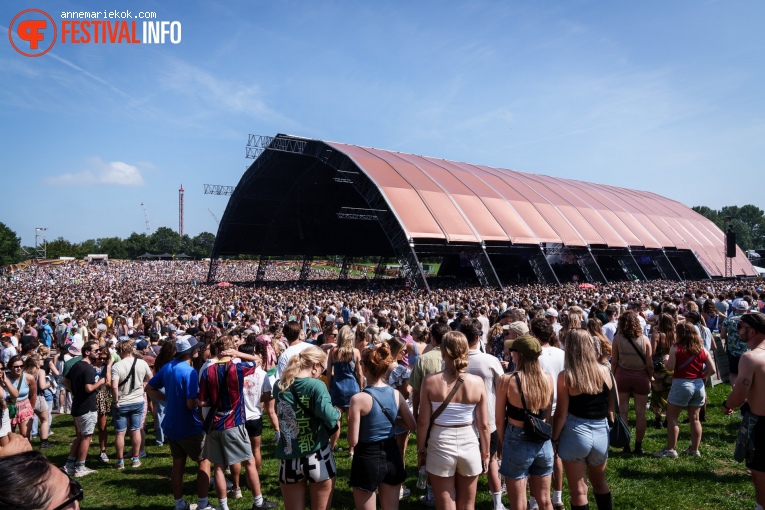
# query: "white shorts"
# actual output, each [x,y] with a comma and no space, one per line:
[453,449]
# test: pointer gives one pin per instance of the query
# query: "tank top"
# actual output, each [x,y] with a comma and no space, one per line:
[518,413]
[23,388]
[375,426]
[628,356]
[412,358]
[589,407]
[454,414]
[692,370]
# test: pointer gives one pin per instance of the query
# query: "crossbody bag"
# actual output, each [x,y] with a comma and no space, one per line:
[391,419]
[535,428]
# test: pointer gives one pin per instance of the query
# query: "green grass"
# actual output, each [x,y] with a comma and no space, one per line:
[713,481]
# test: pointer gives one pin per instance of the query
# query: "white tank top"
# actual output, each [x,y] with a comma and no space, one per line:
[454,414]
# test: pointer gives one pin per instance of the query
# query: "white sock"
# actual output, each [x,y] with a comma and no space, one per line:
[557,497]
[258,500]
[180,504]
[223,503]
[533,503]
[497,497]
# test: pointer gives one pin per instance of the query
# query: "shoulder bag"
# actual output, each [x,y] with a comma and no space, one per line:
[642,356]
[620,433]
[442,407]
[535,428]
[12,407]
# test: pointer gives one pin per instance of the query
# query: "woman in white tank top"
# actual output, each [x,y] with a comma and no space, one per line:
[452,457]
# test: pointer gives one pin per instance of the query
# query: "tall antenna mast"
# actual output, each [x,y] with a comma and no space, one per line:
[180,211]
[146,219]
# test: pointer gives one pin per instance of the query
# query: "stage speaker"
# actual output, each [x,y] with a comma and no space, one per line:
[730,244]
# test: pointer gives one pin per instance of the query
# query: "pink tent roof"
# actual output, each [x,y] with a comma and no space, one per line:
[461,202]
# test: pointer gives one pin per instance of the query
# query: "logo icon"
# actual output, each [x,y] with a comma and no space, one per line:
[37,31]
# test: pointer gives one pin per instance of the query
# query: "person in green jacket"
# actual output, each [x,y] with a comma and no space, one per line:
[307,420]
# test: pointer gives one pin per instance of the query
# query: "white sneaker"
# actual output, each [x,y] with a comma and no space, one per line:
[104,458]
[235,493]
[672,454]
[83,471]
[692,453]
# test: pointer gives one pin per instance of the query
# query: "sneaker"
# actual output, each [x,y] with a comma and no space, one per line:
[672,454]
[120,464]
[692,453]
[235,493]
[103,458]
[83,471]
[209,507]
[559,506]
[136,463]
[159,443]
[142,455]
[338,449]
[265,505]
[44,445]
[404,493]
[68,469]
[430,503]
[638,450]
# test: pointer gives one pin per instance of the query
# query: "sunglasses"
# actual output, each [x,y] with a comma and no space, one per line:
[75,494]
[18,366]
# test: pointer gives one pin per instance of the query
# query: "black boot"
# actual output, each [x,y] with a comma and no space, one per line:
[581,507]
[604,501]
[657,423]
[638,448]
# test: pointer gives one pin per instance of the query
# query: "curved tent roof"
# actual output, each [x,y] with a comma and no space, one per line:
[431,200]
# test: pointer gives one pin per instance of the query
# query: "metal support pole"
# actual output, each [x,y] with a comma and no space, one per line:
[305,271]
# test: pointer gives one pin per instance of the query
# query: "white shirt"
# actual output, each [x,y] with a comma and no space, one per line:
[254,387]
[610,330]
[287,355]
[551,361]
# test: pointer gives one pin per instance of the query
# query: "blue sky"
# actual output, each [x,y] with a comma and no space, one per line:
[655,95]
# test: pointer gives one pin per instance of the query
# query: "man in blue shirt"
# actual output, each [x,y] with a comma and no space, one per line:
[181,424]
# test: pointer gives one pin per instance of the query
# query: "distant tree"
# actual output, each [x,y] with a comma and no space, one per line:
[136,245]
[202,245]
[60,247]
[748,223]
[165,240]
[10,246]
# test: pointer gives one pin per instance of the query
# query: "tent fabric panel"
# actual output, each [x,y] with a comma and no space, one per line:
[634,217]
[417,220]
[544,201]
[603,232]
[471,205]
[451,220]
[499,205]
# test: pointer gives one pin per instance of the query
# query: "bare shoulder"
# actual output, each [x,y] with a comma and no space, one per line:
[607,374]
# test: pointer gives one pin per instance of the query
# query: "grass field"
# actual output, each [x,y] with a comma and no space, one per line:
[712,482]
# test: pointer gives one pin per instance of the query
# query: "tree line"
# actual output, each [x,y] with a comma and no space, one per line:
[163,240]
[747,222]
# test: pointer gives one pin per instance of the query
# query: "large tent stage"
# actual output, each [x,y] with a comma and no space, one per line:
[307,198]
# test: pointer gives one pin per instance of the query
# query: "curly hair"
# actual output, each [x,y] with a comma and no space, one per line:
[629,325]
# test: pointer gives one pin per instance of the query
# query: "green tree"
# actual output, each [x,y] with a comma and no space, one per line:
[202,245]
[136,245]
[60,247]
[10,246]
[747,222]
[165,240]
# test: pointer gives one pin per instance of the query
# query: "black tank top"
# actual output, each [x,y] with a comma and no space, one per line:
[518,413]
[589,407]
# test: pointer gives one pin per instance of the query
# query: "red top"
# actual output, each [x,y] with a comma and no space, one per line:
[692,370]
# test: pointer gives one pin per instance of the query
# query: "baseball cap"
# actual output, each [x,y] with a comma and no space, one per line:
[141,345]
[185,345]
[551,312]
[526,345]
[742,305]
[519,327]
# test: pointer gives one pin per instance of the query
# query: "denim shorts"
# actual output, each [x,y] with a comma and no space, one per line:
[376,463]
[687,392]
[584,440]
[127,413]
[521,457]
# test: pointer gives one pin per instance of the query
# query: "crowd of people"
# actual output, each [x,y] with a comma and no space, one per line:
[520,385]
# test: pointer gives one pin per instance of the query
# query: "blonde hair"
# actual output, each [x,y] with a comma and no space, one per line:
[306,358]
[31,363]
[43,351]
[454,347]
[125,347]
[373,334]
[345,344]
[581,367]
[536,387]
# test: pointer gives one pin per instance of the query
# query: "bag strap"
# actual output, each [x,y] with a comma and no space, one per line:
[130,376]
[442,407]
[523,399]
[642,356]
[616,395]
[687,362]
[384,409]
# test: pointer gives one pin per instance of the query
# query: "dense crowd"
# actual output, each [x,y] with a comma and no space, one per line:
[523,385]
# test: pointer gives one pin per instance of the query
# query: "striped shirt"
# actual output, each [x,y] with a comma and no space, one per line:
[222,384]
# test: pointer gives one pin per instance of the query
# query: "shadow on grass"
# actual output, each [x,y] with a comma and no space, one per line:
[682,474]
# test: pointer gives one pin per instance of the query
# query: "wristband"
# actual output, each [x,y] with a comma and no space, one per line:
[422,452]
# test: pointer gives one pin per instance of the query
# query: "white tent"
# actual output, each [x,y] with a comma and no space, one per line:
[760,270]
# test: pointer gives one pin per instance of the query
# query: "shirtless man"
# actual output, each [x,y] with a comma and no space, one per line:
[750,387]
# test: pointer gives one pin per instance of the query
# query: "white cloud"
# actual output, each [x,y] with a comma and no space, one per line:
[99,172]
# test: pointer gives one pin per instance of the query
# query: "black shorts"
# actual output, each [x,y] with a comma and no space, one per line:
[758,438]
[733,363]
[494,443]
[376,463]
[254,427]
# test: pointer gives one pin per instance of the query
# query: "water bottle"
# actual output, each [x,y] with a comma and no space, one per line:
[422,480]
